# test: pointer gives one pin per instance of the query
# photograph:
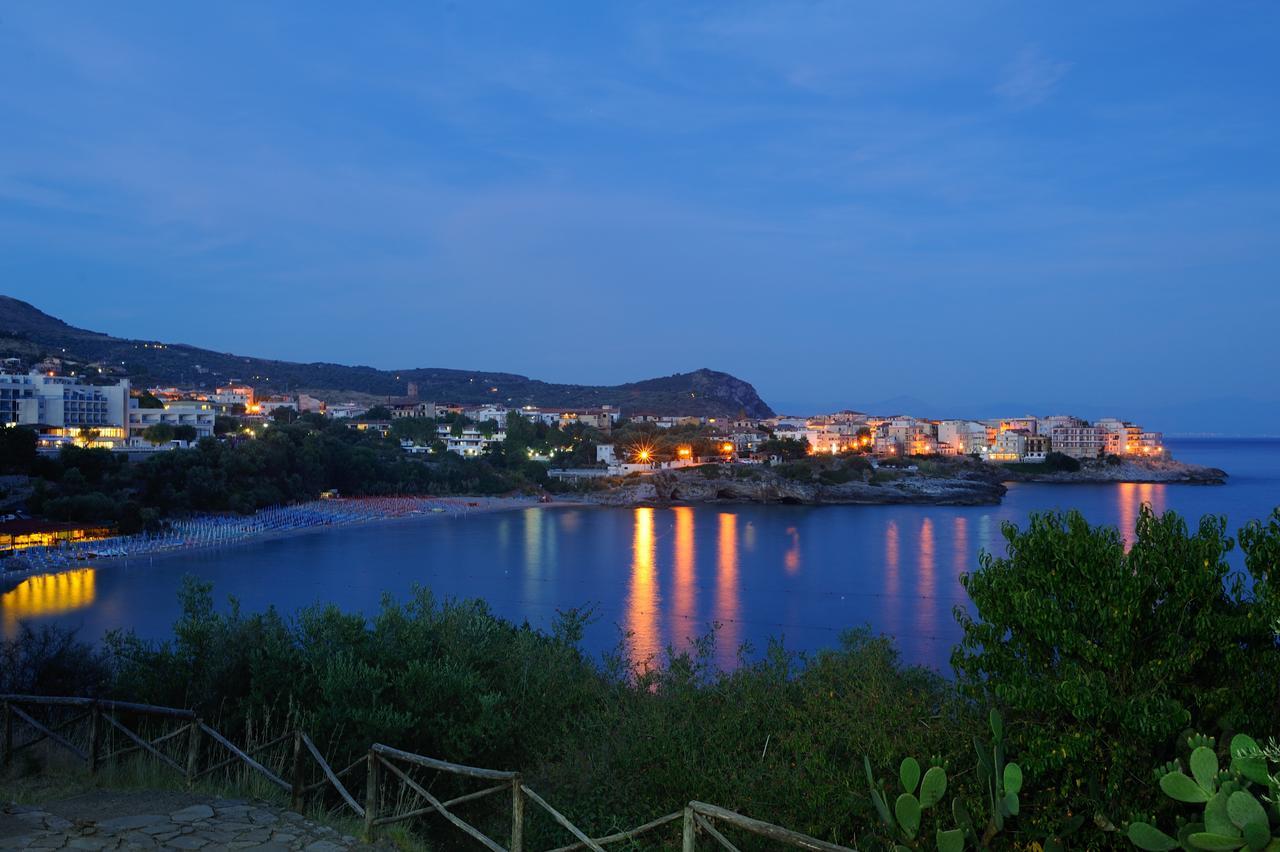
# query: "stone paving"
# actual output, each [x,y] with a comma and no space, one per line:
[206,824]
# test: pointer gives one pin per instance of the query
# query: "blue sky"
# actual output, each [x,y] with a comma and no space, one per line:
[966,204]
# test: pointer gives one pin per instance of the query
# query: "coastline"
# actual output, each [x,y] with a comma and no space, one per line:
[401,510]
[964,484]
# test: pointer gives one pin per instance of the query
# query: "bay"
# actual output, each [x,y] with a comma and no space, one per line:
[655,578]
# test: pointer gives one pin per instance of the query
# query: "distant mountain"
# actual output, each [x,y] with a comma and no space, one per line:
[29,333]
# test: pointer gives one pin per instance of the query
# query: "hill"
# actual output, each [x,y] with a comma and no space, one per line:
[29,333]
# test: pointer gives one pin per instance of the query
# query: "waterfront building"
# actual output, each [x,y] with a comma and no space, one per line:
[1120,438]
[962,437]
[1078,440]
[902,436]
[64,405]
[198,415]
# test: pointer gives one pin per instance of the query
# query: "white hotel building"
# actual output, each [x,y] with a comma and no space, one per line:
[63,406]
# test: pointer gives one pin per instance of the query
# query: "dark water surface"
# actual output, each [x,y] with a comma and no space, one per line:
[656,577]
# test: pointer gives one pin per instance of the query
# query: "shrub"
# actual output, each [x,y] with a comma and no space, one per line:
[1102,655]
[1061,462]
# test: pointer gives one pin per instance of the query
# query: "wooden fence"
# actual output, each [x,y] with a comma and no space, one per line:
[194,750]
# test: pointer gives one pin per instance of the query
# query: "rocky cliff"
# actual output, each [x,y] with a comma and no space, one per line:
[726,484]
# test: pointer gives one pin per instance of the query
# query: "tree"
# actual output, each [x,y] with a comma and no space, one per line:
[1061,461]
[1101,656]
[786,448]
[17,449]
[378,412]
[225,425]
[284,414]
[185,432]
[160,433]
[147,399]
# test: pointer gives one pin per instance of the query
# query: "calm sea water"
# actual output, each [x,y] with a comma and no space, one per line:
[656,577]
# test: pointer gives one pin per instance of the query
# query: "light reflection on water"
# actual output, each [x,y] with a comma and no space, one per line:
[47,595]
[659,576]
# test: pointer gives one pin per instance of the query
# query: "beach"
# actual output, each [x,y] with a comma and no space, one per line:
[224,530]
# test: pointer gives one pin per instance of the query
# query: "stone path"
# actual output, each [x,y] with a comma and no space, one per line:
[114,820]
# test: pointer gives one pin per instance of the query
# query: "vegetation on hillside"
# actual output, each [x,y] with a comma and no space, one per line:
[285,463]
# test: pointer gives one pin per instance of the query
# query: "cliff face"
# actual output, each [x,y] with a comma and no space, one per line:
[27,332]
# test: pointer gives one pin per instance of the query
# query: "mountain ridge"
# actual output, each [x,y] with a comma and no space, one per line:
[30,333]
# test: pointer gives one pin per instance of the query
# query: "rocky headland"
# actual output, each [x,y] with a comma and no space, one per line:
[821,481]
[1140,471]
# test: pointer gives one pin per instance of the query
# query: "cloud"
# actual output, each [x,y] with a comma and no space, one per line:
[1031,78]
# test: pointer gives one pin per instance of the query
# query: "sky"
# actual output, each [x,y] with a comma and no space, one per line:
[952,206]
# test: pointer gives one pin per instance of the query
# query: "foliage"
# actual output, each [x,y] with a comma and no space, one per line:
[147,399]
[17,449]
[999,786]
[224,424]
[1103,655]
[785,448]
[288,463]
[613,742]
[51,661]
[1056,461]
[1239,801]
[160,433]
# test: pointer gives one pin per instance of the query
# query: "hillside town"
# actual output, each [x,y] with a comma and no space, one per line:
[87,411]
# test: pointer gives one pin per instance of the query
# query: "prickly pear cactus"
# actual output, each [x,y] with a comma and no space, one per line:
[1239,801]
[922,793]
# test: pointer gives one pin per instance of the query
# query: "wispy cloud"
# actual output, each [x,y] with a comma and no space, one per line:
[1031,78]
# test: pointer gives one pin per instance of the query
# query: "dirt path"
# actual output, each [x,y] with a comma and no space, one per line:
[162,820]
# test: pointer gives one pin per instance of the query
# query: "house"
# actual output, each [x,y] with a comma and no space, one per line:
[470,442]
[234,394]
[410,407]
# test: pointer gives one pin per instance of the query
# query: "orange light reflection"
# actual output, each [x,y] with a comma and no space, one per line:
[685,595]
[727,603]
[643,641]
[48,594]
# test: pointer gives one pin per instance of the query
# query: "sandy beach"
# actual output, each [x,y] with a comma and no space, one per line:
[211,531]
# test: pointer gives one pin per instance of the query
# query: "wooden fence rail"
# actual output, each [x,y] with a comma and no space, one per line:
[383,765]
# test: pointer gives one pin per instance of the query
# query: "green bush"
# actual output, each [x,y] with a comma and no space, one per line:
[613,743]
[1103,655]
[1060,462]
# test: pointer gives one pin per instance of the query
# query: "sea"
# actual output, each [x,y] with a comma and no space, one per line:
[655,580]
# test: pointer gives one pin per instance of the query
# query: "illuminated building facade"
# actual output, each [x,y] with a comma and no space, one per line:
[199,415]
[62,402]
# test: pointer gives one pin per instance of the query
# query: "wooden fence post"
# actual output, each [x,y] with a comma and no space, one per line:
[193,751]
[370,796]
[95,735]
[687,840]
[296,778]
[517,816]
